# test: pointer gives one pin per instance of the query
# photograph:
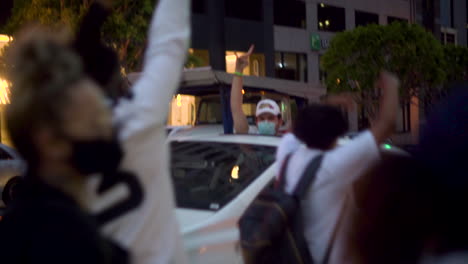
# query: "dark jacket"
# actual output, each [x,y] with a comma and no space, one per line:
[46,226]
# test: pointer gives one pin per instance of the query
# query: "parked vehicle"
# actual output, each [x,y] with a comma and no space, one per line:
[11,165]
[215,178]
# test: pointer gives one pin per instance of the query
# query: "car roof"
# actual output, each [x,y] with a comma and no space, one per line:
[262,140]
[231,138]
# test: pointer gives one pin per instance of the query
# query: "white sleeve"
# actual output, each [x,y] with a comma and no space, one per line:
[346,163]
[289,144]
[168,44]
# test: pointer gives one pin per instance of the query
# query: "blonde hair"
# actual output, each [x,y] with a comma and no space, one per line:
[43,69]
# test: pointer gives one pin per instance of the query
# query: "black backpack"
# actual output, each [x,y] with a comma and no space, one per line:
[271,229]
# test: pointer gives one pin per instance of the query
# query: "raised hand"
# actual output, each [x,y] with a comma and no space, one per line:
[243,61]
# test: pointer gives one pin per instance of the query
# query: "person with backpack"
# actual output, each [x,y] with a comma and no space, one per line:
[318,127]
[299,221]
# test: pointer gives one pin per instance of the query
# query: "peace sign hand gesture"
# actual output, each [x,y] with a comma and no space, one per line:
[243,61]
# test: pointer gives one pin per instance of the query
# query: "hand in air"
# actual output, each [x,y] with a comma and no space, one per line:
[243,61]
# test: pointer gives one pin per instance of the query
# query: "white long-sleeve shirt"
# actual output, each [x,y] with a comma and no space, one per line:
[325,200]
[151,231]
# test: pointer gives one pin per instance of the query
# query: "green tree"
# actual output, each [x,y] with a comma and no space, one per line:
[355,58]
[126,29]
[456,58]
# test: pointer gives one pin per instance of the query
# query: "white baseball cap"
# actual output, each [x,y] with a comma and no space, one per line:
[267,106]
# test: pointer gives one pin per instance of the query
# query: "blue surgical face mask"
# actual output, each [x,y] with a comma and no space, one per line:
[267,128]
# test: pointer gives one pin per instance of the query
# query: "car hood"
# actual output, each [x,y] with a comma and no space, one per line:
[188,218]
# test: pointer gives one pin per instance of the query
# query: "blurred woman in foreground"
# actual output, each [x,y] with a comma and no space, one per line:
[60,124]
[413,210]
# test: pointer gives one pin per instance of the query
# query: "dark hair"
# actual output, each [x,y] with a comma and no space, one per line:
[319,126]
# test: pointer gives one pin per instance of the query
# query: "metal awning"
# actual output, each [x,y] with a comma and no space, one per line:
[206,81]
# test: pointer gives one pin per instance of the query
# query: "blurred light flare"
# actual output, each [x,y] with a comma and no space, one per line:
[235,172]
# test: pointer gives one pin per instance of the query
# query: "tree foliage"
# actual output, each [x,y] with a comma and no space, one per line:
[125,30]
[456,58]
[356,57]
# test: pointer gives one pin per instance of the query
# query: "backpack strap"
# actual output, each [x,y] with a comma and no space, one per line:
[308,177]
[280,182]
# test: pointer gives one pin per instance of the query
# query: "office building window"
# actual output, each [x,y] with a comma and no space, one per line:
[256,63]
[244,9]
[198,58]
[404,119]
[448,36]
[331,18]
[290,13]
[198,6]
[322,73]
[391,19]
[291,66]
[364,18]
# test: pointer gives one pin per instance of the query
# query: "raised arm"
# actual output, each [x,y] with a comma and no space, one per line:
[241,125]
[101,63]
[164,58]
[384,126]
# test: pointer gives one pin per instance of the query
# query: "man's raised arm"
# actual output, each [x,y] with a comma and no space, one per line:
[241,125]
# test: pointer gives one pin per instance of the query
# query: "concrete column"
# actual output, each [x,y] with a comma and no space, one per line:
[217,40]
[313,67]
[353,119]
[311,15]
[269,38]
[312,56]
[350,18]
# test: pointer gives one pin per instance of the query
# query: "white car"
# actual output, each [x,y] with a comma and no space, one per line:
[11,165]
[216,177]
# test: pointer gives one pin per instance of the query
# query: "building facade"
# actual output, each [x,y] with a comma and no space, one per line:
[290,37]
[446,19]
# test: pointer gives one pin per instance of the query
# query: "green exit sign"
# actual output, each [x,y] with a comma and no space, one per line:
[315,43]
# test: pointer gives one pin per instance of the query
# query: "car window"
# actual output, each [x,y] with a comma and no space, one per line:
[210,112]
[208,175]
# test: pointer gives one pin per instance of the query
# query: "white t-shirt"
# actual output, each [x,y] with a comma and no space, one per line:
[323,204]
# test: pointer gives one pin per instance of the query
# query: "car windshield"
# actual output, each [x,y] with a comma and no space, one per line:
[208,175]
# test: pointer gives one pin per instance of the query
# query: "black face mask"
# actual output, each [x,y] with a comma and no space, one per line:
[96,156]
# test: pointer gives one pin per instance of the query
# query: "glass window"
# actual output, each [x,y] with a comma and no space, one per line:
[322,73]
[256,63]
[208,175]
[244,9]
[364,18]
[198,58]
[450,38]
[290,13]
[331,18]
[291,66]
[404,119]
[182,110]
[210,111]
